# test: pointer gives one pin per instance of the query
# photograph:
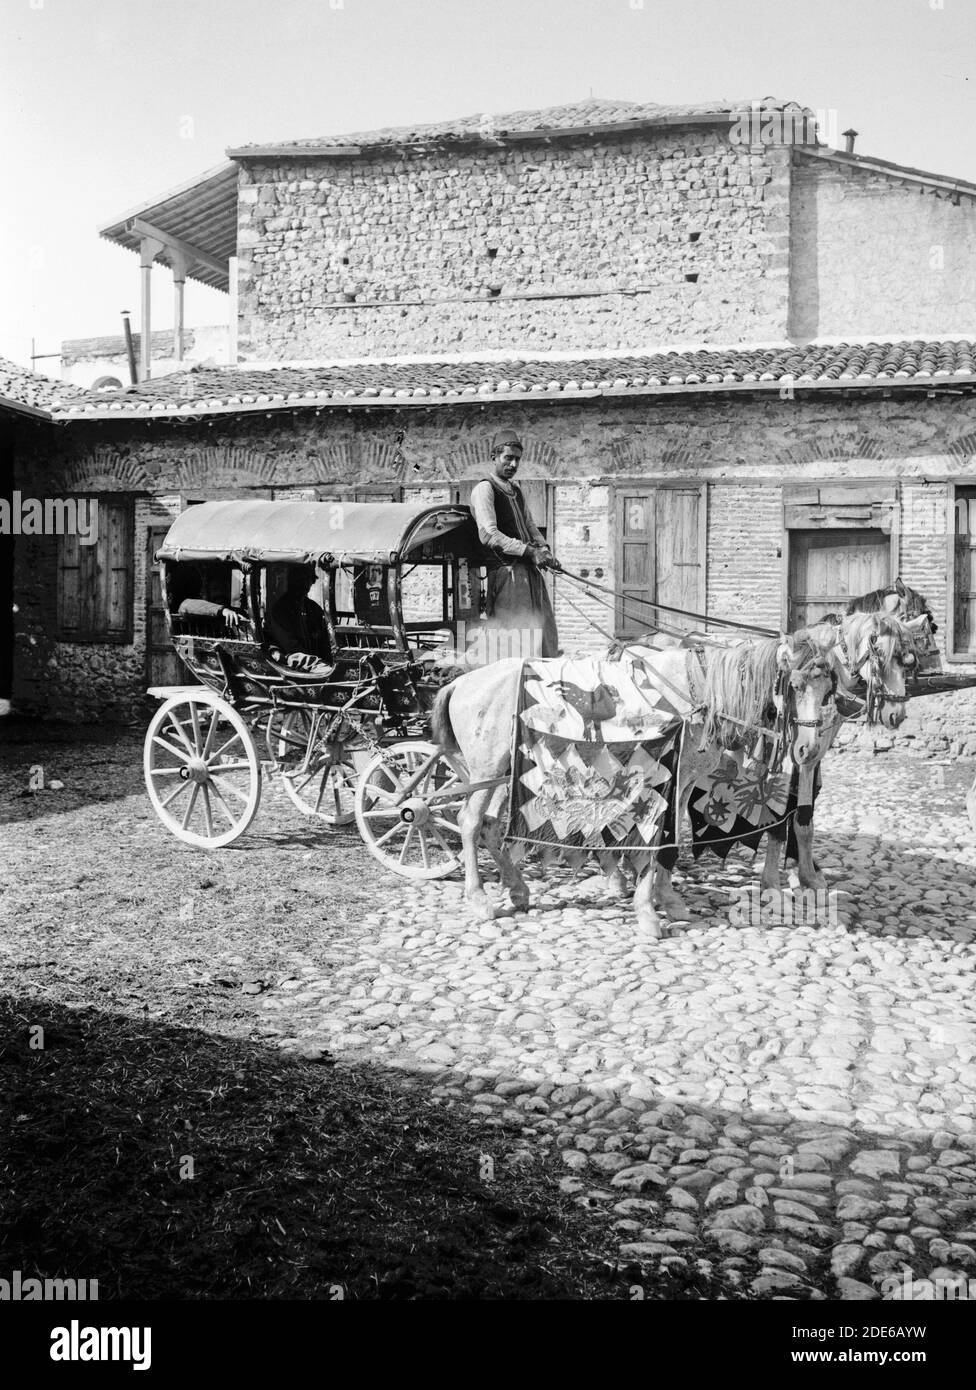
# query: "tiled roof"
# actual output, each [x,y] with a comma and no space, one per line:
[30,393]
[372,382]
[593,112]
[943,185]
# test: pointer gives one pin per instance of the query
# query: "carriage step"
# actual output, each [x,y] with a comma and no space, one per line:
[163,692]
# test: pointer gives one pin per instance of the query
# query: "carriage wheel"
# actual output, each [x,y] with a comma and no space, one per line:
[325,786]
[413,834]
[202,770]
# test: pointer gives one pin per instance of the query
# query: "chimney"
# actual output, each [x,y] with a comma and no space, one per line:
[850,136]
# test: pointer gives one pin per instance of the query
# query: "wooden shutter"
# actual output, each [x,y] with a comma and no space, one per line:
[536,494]
[116,618]
[635,559]
[660,556]
[680,562]
[95,581]
[962,608]
[73,617]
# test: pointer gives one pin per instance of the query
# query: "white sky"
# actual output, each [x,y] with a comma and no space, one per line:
[94,96]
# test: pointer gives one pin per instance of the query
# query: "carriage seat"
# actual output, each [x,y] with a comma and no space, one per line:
[301,666]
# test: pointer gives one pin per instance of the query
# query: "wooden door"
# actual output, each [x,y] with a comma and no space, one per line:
[660,557]
[964,605]
[163,666]
[679,552]
[827,568]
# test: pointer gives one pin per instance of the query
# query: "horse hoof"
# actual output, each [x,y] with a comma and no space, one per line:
[520,902]
[482,908]
[686,923]
[652,930]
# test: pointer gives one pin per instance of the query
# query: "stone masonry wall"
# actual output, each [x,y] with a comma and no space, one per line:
[743,450]
[422,252]
[936,726]
[869,258]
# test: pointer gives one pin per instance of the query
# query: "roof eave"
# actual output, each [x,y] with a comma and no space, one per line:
[475,139]
[184,415]
[211,187]
[37,412]
[940,183]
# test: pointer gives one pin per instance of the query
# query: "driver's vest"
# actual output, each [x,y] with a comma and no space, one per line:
[510,517]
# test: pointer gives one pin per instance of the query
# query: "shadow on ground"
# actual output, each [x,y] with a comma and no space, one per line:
[92,763]
[169,1163]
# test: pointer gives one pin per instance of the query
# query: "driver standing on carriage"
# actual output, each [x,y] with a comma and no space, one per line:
[516,551]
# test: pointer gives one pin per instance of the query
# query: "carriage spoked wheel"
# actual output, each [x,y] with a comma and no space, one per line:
[321,780]
[407,802]
[202,769]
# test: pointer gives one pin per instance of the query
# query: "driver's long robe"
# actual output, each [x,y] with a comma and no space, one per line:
[517,597]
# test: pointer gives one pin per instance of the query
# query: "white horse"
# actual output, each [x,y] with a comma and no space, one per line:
[474,715]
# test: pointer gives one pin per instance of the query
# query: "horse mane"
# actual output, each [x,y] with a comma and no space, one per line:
[737,688]
[915,603]
[869,603]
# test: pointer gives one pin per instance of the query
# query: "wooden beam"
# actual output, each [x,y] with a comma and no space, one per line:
[179,282]
[149,249]
[294,151]
[234,311]
[176,244]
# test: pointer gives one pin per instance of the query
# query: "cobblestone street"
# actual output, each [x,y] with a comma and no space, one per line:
[790,1107]
[801,1093]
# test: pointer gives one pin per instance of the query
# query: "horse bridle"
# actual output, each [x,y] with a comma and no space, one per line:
[785,724]
[877,690]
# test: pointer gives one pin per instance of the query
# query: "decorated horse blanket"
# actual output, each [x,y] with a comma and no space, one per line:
[594,759]
[740,801]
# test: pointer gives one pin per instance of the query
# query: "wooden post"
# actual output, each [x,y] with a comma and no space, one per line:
[149,249]
[234,310]
[178,262]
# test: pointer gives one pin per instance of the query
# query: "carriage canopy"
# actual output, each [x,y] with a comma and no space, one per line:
[307,532]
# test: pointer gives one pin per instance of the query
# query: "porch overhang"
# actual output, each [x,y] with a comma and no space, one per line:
[195,226]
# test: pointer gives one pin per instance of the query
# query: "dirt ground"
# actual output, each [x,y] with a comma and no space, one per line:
[157,1138]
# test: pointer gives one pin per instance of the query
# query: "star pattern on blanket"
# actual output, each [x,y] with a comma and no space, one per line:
[736,801]
[592,761]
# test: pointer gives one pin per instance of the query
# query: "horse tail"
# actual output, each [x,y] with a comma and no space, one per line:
[440,720]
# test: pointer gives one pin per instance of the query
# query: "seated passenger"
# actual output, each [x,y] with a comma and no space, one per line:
[196,606]
[295,624]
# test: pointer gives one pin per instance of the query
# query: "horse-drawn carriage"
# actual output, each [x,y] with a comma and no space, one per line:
[339,708]
[343,724]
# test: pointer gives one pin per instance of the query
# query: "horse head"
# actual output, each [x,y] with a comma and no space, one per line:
[808,681]
[874,651]
[909,604]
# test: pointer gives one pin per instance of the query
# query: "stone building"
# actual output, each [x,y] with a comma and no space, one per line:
[741,363]
[102,364]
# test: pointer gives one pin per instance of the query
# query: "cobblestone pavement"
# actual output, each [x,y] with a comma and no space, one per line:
[792,1104]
